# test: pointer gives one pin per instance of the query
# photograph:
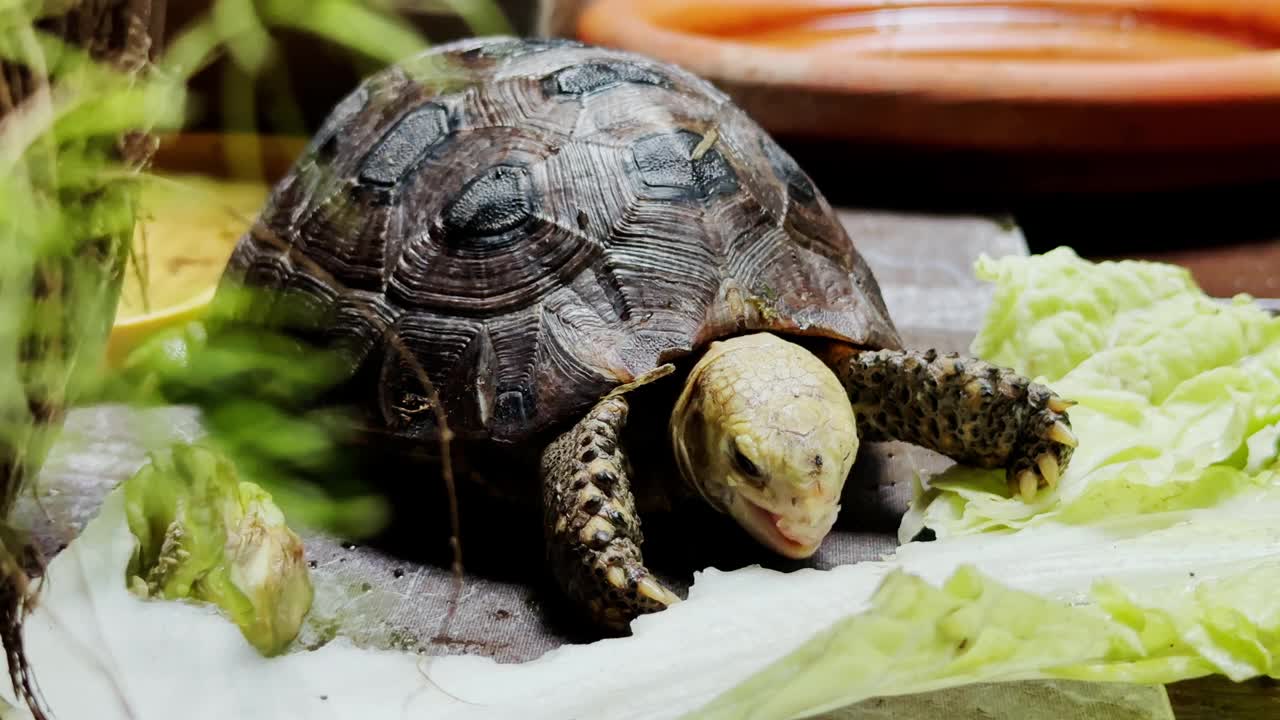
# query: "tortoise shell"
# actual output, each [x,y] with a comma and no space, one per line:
[532,223]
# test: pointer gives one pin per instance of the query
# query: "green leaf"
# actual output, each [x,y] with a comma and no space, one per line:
[1160,536]
[382,36]
[916,638]
[205,535]
[1177,391]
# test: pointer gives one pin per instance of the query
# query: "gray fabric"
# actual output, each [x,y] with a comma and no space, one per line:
[387,600]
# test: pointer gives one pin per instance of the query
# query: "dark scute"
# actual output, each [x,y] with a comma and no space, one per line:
[324,144]
[666,161]
[513,407]
[496,202]
[345,233]
[405,145]
[799,186]
[518,47]
[593,77]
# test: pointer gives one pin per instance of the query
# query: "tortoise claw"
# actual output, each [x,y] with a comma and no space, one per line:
[1028,483]
[1060,405]
[617,577]
[654,590]
[1062,434]
[1048,469]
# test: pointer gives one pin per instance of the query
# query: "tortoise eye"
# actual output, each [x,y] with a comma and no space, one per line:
[744,464]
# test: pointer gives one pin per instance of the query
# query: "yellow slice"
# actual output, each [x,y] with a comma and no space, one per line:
[187,227]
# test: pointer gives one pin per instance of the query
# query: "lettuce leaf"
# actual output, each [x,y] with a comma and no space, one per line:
[917,637]
[119,656]
[1156,560]
[1178,417]
[1179,393]
[1004,609]
[206,536]
[1145,600]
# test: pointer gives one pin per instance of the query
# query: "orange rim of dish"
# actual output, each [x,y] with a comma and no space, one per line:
[700,36]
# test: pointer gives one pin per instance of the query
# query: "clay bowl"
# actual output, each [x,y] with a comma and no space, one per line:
[1020,95]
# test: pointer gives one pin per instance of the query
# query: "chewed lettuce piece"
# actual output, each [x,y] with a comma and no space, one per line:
[732,625]
[204,535]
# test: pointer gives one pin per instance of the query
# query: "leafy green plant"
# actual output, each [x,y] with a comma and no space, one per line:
[85,89]
[70,150]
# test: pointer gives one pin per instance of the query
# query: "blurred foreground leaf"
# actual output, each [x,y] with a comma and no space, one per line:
[84,89]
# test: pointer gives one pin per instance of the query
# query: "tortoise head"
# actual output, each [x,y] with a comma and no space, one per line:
[765,432]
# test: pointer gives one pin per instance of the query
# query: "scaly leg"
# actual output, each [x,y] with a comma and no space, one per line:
[593,533]
[967,409]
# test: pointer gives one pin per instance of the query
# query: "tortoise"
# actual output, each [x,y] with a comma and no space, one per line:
[546,230]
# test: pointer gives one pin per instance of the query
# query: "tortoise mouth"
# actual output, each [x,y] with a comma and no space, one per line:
[769,528]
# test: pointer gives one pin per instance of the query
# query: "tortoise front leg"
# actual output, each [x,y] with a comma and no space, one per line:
[967,409]
[593,533]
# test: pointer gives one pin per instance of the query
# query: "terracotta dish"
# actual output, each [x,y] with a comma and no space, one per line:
[1130,81]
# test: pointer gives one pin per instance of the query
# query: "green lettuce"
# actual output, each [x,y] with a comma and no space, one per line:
[175,658]
[1179,393]
[1158,543]
[916,637]
[1030,700]
[204,535]
[1139,600]
[1156,560]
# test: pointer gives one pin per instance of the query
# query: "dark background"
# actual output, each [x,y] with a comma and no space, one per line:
[1229,236]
